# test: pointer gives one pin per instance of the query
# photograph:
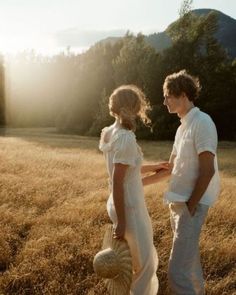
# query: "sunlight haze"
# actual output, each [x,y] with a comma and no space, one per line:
[47,26]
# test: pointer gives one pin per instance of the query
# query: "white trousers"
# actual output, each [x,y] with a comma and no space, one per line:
[185,272]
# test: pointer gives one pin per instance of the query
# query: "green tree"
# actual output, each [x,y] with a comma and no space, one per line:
[102,117]
[137,64]
[196,49]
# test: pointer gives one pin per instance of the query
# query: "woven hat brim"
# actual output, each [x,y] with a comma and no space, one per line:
[121,284]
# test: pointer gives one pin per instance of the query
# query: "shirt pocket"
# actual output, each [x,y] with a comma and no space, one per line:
[187,149]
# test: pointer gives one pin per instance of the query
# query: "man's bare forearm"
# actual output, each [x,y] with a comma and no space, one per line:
[200,187]
[206,172]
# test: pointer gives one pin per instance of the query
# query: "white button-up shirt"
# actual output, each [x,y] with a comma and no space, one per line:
[196,134]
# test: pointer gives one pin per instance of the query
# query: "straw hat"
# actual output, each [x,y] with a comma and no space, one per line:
[114,264]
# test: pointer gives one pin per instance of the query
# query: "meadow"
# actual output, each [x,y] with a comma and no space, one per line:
[53,191]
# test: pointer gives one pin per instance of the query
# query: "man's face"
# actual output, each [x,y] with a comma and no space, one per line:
[173,103]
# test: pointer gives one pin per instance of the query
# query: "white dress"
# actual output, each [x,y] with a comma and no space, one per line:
[122,148]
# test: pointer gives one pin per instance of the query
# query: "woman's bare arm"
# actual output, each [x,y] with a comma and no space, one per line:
[154,167]
[160,174]
[156,177]
[119,172]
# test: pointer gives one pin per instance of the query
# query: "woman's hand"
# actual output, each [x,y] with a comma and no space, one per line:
[163,166]
[155,167]
[119,231]
[161,171]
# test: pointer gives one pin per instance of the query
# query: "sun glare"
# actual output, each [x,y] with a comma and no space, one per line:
[17,41]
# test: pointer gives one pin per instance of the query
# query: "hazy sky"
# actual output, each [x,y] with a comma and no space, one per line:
[50,24]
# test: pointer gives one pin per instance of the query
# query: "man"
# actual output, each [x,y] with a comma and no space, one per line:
[194,182]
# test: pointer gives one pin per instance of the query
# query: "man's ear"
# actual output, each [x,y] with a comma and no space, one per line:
[184,96]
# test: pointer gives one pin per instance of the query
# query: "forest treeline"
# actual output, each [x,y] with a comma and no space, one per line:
[71,91]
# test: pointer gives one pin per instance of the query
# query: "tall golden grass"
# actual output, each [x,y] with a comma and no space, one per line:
[53,191]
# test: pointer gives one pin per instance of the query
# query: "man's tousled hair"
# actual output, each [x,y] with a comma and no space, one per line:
[182,82]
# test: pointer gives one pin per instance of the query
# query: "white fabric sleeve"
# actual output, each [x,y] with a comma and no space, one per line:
[174,151]
[206,136]
[125,150]
[174,148]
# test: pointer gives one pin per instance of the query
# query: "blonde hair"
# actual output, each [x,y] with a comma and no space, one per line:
[128,102]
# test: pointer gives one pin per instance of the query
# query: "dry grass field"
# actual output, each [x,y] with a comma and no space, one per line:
[53,190]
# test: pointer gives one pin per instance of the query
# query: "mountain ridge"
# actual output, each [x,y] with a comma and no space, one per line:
[225,34]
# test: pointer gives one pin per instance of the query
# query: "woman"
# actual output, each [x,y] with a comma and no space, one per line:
[126,205]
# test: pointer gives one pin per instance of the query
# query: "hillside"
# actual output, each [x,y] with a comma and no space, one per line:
[225,34]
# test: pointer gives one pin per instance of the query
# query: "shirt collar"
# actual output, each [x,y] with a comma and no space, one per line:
[189,116]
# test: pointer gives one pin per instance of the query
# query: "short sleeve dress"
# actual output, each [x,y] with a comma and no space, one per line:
[122,148]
